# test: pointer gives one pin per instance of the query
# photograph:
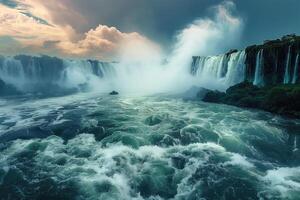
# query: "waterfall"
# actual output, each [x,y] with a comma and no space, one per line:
[287,68]
[236,68]
[227,69]
[295,144]
[38,74]
[195,65]
[11,71]
[211,66]
[295,76]
[258,77]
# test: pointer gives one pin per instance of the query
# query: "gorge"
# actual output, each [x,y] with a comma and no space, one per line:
[62,136]
[274,62]
[149,100]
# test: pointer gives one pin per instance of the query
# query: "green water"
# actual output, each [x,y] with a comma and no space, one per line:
[102,147]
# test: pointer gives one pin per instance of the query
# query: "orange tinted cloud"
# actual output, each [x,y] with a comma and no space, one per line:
[55,37]
[102,40]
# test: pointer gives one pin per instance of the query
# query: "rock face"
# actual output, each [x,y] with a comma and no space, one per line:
[274,62]
[271,76]
[280,99]
[114,93]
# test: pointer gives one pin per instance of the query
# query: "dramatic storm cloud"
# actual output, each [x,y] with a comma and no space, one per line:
[99,28]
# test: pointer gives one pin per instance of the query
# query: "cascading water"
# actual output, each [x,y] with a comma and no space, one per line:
[226,69]
[295,76]
[12,72]
[258,77]
[35,74]
[236,68]
[287,68]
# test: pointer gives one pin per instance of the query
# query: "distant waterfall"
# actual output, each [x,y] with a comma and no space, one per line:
[287,68]
[38,74]
[258,76]
[228,69]
[296,68]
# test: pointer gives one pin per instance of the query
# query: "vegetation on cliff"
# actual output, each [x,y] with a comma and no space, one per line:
[280,99]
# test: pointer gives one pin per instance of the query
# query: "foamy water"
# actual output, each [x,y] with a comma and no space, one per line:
[91,146]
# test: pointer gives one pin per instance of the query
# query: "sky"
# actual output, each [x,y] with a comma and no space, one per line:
[100,29]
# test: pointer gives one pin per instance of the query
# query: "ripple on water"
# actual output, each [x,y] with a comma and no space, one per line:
[147,148]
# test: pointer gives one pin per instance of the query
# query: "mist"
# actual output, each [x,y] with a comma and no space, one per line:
[145,68]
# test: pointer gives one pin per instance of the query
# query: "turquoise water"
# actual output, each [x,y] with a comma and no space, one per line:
[90,146]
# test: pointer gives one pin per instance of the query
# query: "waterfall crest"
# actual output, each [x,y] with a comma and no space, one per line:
[287,67]
[258,77]
[227,69]
[296,69]
[39,74]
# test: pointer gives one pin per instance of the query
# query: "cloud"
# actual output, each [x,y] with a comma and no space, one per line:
[25,29]
[101,42]
[38,30]
[209,36]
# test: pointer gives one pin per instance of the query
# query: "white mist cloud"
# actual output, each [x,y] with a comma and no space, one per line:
[140,68]
[208,36]
[203,37]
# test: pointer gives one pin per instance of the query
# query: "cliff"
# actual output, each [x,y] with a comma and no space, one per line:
[274,62]
[278,60]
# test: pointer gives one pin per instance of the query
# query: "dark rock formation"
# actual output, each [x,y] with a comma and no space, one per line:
[214,96]
[231,51]
[113,93]
[280,99]
[275,60]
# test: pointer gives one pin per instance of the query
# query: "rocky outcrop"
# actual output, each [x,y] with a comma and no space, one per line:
[280,99]
[113,93]
[271,77]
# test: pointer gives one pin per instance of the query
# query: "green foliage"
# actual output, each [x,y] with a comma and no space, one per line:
[281,99]
[276,97]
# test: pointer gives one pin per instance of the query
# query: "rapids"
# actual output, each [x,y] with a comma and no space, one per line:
[93,146]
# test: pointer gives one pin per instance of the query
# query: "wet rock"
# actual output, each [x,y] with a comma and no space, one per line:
[231,51]
[213,96]
[113,93]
